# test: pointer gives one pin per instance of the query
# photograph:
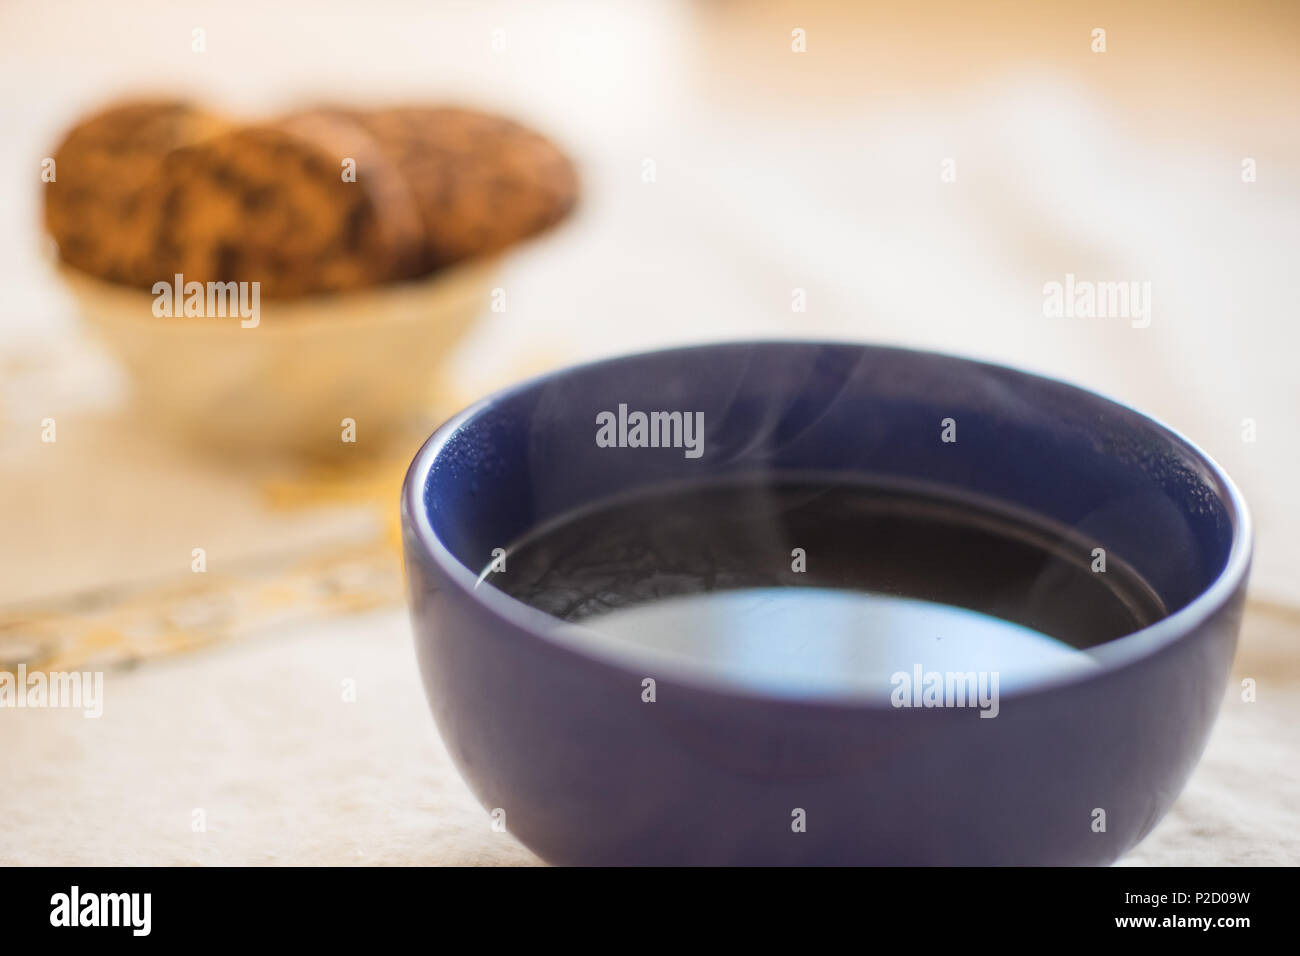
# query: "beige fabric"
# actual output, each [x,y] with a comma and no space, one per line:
[257,736]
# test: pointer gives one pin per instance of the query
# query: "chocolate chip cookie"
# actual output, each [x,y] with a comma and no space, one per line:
[94,207]
[481,182]
[276,204]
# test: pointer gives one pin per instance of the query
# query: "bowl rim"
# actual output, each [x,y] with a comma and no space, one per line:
[345,311]
[1111,656]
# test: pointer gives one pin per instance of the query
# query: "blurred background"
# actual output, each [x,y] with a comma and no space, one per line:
[760,169]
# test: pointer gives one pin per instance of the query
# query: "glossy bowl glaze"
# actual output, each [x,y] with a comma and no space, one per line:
[550,727]
[286,383]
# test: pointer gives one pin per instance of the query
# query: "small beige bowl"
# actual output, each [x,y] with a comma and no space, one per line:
[287,385]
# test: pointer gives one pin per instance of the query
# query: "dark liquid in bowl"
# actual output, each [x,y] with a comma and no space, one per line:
[883,581]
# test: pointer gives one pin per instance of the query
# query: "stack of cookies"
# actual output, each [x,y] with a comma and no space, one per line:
[320,201]
[363,245]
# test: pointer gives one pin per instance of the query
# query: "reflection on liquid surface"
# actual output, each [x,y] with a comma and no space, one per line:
[824,640]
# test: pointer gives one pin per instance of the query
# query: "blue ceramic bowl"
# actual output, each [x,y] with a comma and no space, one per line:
[550,727]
